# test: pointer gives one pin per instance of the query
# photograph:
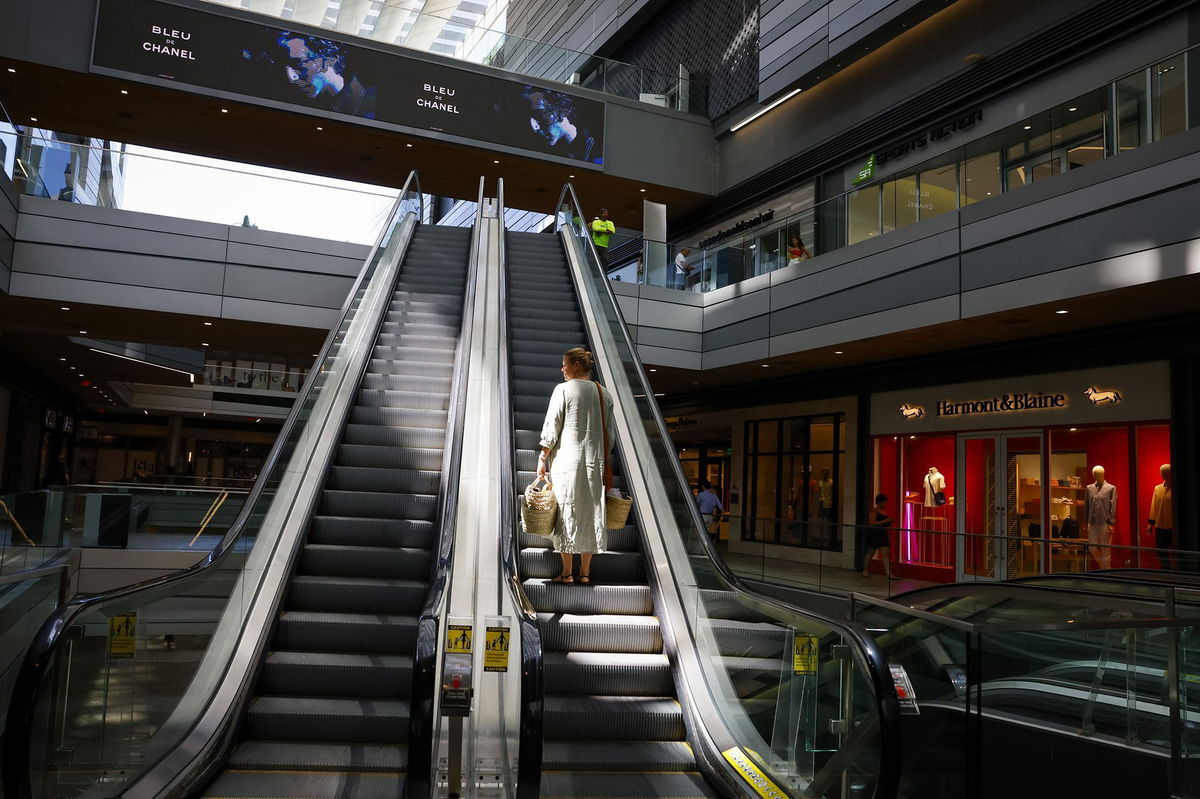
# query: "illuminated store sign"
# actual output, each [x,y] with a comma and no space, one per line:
[733,230]
[183,45]
[1005,403]
[937,133]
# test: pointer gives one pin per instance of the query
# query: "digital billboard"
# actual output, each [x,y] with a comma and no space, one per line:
[204,49]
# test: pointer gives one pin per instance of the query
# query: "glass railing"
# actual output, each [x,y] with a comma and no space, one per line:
[26,600]
[804,698]
[1090,683]
[816,555]
[158,652]
[398,23]
[51,165]
[1143,107]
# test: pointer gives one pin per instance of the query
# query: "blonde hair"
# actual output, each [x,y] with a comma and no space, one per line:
[580,356]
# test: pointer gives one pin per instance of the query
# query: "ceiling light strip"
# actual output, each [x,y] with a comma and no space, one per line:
[762,111]
[191,376]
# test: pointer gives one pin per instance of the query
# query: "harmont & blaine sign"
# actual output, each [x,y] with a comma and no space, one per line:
[1130,393]
[1005,403]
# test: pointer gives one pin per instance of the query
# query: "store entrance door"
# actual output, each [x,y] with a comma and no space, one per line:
[1000,513]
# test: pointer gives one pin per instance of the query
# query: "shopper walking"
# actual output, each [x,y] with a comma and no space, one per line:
[573,453]
[602,232]
[709,505]
[877,537]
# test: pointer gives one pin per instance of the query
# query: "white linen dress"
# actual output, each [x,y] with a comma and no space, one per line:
[574,434]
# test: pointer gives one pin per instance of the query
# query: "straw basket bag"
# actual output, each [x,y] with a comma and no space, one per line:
[616,511]
[538,509]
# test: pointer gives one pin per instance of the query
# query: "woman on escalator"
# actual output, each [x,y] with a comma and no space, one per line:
[575,450]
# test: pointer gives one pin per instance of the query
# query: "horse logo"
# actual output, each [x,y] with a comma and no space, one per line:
[1098,397]
[911,411]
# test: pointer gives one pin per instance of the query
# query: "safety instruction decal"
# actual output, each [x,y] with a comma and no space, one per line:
[804,654]
[122,635]
[458,639]
[905,694]
[495,649]
[750,772]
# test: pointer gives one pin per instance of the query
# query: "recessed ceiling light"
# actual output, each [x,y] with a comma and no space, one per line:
[1062,311]
[314,354]
[83,332]
[224,110]
[912,436]
[1073,429]
[64,307]
[146,412]
[205,344]
[1028,127]
[766,365]
[208,324]
[10,69]
[33,119]
[495,162]
[81,374]
[320,128]
[643,191]
[1072,108]
[571,176]
[408,145]
[72,368]
[258,420]
[838,352]
[62,359]
[124,91]
[652,370]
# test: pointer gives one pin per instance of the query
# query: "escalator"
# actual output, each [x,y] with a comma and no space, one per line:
[331,707]
[613,724]
[293,660]
[665,677]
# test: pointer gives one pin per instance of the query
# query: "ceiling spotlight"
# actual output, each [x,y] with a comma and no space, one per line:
[766,365]
[124,91]
[408,145]
[146,412]
[83,332]
[224,110]
[1072,108]
[652,370]
[643,191]
[205,344]
[1028,127]
[1062,311]
[495,162]
[571,176]
[72,368]
[208,324]
[62,359]
[64,307]
[258,420]
[1073,429]
[838,352]
[320,128]
[10,69]
[33,119]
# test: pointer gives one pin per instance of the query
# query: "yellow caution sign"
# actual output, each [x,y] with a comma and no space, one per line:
[122,635]
[804,654]
[458,639]
[751,773]
[495,649]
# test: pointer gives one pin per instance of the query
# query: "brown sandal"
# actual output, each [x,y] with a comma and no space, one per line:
[565,579]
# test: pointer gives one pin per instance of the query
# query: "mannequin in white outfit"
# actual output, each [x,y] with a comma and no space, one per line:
[935,481]
[1100,513]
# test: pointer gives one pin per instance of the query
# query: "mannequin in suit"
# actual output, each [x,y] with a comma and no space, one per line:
[1100,513]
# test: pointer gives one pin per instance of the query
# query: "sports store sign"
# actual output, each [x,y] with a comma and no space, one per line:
[1134,393]
[171,45]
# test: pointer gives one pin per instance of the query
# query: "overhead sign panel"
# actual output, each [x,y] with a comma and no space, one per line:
[199,48]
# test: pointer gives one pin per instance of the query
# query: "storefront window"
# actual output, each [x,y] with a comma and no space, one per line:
[980,177]
[863,214]
[1168,86]
[1153,453]
[938,191]
[1130,98]
[793,468]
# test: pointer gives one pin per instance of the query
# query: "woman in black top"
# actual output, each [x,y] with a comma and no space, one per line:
[877,537]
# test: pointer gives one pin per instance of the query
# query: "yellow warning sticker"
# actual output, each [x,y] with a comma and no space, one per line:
[750,772]
[804,654]
[122,635]
[458,639]
[495,649]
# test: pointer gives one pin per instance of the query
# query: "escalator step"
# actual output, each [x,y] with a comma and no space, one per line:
[425,438]
[671,756]
[375,478]
[603,785]
[565,632]
[613,718]
[396,563]
[367,532]
[431,385]
[607,567]
[336,674]
[255,784]
[608,674]
[393,368]
[378,505]
[413,400]
[398,417]
[389,457]
[624,540]
[356,595]
[319,756]
[549,597]
[307,718]
[345,632]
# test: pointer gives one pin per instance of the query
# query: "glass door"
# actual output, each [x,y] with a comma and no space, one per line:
[1000,513]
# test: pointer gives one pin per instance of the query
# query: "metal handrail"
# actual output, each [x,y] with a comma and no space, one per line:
[422,719]
[62,570]
[877,668]
[14,757]
[529,766]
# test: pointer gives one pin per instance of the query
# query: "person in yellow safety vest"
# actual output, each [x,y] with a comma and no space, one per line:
[602,230]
